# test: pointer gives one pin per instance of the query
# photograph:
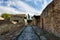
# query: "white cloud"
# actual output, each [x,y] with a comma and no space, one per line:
[28,0]
[26,7]
[44,5]
[34,1]
[22,6]
[9,10]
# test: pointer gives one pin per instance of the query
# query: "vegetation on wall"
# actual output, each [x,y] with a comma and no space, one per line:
[6,16]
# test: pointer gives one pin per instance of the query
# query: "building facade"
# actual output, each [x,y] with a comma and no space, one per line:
[17,19]
[50,18]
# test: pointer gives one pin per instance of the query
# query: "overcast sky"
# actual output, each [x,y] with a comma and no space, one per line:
[32,7]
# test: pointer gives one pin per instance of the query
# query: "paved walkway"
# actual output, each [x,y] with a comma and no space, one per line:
[28,34]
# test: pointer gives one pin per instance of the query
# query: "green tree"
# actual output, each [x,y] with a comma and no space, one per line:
[6,16]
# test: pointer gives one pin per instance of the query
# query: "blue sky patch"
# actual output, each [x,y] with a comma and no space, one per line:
[31,6]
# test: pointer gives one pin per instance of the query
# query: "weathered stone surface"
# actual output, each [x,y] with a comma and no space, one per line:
[51,22]
[28,34]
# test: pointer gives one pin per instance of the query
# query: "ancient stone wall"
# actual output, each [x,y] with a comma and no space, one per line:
[50,18]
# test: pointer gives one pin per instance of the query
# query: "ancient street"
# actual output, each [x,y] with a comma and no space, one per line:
[28,34]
